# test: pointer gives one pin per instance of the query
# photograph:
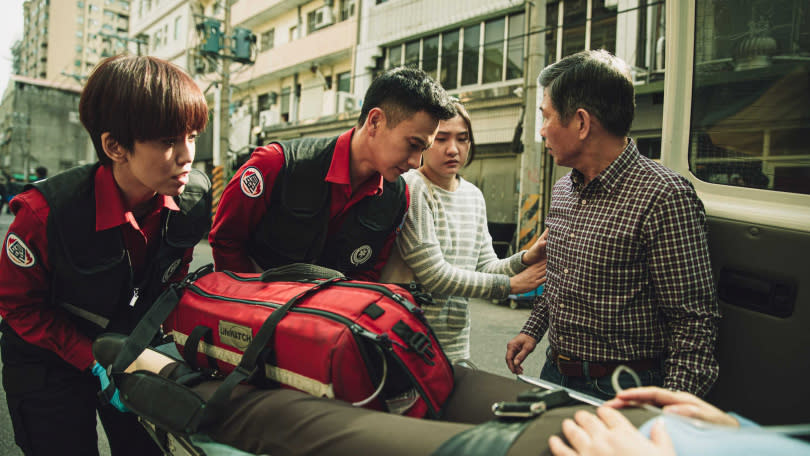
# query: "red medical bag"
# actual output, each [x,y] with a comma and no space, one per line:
[365,343]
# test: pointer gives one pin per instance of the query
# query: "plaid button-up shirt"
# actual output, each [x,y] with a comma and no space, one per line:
[628,274]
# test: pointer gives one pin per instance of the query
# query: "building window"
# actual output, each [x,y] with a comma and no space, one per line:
[486,52]
[264,102]
[285,104]
[494,31]
[267,40]
[469,56]
[515,47]
[412,54]
[430,55]
[394,56]
[312,19]
[177,22]
[572,31]
[344,82]
[347,9]
[449,60]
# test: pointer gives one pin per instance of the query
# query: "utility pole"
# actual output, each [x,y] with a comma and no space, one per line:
[218,44]
[533,159]
[223,113]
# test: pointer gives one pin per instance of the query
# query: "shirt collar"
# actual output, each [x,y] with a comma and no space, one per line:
[339,169]
[611,175]
[110,207]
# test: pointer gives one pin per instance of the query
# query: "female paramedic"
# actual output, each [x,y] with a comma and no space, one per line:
[446,244]
[89,250]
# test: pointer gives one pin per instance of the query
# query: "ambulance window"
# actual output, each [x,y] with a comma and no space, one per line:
[751,95]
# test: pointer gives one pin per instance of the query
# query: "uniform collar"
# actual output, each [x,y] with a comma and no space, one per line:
[340,171]
[110,207]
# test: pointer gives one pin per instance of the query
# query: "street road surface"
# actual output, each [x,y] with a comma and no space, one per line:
[493,327]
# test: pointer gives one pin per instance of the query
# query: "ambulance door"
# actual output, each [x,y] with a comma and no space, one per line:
[737,123]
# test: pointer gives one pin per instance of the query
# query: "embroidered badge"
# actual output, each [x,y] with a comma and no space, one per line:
[252,182]
[18,252]
[361,255]
[171,270]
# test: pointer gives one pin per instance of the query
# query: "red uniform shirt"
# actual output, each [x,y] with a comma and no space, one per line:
[240,210]
[25,271]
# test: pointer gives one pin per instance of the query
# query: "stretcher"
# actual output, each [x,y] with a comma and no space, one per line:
[282,422]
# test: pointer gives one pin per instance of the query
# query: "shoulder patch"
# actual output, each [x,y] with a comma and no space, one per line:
[18,252]
[252,182]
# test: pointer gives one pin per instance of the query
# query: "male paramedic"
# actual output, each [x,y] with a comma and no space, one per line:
[91,248]
[629,280]
[336,202]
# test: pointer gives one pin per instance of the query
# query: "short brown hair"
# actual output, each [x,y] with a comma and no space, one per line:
[140,98]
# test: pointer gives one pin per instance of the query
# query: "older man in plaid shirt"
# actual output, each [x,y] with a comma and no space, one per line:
[629,276]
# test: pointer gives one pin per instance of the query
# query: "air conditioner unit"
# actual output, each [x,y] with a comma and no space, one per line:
[268,117]
[347,102]
[324,17]
[612,4]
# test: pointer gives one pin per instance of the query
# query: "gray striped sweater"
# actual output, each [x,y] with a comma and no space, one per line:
[445,241]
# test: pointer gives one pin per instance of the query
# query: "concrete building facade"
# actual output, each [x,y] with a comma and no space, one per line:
[301,83]
[39,126]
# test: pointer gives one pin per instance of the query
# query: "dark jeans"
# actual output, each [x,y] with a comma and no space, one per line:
[599,387]
[53,407]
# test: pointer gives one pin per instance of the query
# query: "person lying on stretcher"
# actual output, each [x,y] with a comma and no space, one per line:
[283,421]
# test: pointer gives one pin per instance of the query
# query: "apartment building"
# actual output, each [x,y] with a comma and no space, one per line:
[302,81]
[166,29]
[65,39]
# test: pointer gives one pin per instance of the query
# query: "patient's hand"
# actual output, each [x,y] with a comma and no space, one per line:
[609,434]
[677,402]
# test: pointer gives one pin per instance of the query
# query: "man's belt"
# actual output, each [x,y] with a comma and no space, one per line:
[578,368]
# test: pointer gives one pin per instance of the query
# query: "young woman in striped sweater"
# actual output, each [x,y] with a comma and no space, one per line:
[446,243]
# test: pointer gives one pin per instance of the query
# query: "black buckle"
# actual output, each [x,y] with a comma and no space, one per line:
[420,343]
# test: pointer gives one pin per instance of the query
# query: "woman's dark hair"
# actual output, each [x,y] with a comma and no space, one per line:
[140,98]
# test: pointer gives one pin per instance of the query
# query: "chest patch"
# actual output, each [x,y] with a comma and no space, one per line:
[170,270]
[252,182]
[18,252]
[361,255]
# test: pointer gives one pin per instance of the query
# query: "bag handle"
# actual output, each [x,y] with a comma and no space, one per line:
[251,366]
[299,271]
